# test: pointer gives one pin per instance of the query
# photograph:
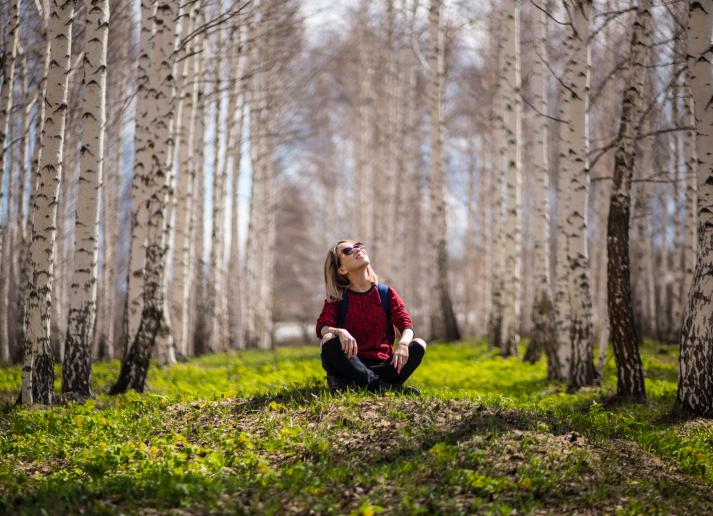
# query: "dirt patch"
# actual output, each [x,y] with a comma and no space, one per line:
[458,454]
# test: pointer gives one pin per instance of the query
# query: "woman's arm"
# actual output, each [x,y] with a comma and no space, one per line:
[406,337]
[399,315]
[327,318]
[328,329]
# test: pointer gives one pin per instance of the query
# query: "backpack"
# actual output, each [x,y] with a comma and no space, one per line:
[383,290]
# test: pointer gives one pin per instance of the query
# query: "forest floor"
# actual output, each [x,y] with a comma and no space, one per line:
[257,432]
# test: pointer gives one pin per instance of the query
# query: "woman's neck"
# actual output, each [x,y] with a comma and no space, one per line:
[359,280]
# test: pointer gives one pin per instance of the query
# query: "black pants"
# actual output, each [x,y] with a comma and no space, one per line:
[364,372]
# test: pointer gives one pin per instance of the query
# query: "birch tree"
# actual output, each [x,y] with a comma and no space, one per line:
[76,370]
[162,91]
[543,309]
[259,274]
[9,56]
[495,322]
[38,373]
[691,195]
[364,200]
[181,287]
[695,386]
[7,60]
[625,341]
[513,142]
[139,195]
[443,321]
[235,140]
[573,298]
[217,309]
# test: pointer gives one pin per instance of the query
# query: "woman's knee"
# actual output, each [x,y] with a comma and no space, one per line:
[421,343]
[330,344]
[326,338]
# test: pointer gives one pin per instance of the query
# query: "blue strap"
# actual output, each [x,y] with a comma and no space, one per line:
[383,295]
[344,303]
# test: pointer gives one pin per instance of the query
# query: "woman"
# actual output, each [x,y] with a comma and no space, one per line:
[357,326]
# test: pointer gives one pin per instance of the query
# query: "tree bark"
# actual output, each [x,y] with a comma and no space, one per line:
[217,312]
[513,142]
[141,168]
[181,287]
[495,322]
[7,59]
[196,330]
[695,386]
[574,327]
[625,341]
[691,195]
[76,369]
[443,322]
[542,307]
[162,86]
[38,384]
[235,143]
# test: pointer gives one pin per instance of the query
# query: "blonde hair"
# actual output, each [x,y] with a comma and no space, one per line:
[335,284]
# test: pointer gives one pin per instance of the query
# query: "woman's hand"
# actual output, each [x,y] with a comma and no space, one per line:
[400,357]
[349,345]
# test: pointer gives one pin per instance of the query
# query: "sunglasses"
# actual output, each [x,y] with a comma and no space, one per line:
[349,250]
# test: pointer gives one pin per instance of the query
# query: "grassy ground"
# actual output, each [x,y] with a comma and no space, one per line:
[256,432]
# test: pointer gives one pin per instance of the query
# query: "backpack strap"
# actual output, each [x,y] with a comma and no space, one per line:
[384,296]
[383,290]
[343,304]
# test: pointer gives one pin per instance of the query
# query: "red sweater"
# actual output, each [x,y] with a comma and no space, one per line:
[366,321]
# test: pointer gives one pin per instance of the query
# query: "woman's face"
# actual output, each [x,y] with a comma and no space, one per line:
[352,256]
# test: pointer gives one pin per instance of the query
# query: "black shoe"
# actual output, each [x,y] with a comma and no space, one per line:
[406,390]
[337,384]
[380,387]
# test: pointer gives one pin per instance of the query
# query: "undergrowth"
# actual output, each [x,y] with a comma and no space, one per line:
[257,432]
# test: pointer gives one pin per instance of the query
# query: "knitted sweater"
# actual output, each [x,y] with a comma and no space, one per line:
[366,321]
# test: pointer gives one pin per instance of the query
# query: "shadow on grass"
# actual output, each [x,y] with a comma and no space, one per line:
[480,420]
[675,416]
[654,371]
[292,395]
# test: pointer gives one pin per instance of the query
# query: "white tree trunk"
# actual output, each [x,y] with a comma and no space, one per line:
[691,197]
[364,199]
[9,55]
[484,277]
[217,313]
[625,341]
[37,386]
[495,323]
[542,313]
[234,142]
[266,273]
[695,387]
[182,280]
[252,255]
[676,264]
[574,326]
[142,165]
[197,254]
[161,119]
[76,371]
[259,273]
[443,322]
[513,143]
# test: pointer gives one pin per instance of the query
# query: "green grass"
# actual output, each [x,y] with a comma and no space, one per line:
[256,432]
